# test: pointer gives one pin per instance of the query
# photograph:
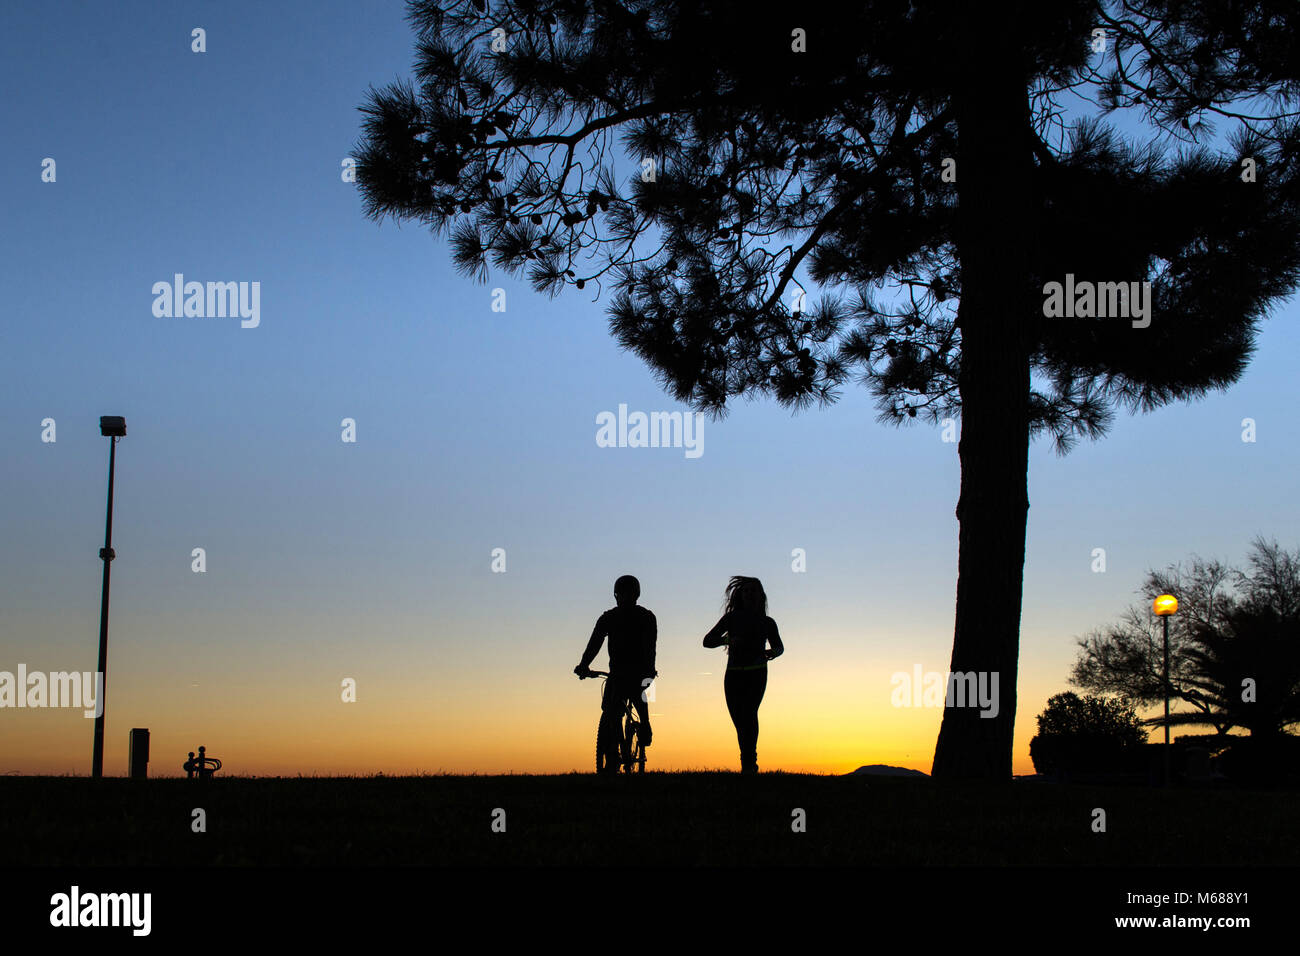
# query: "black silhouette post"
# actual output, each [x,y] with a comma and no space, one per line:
[138,753]
[1164,606]
[111,427]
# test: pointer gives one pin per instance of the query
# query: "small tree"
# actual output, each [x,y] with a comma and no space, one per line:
[1232,625]
[1127,659]
[1068,714]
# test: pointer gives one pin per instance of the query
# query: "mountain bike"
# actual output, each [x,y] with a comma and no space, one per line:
[621,747]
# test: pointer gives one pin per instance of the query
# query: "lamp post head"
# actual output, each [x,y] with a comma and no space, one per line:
[1165,605]
[113,426]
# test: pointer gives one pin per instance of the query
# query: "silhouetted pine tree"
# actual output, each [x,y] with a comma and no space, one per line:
[712,159]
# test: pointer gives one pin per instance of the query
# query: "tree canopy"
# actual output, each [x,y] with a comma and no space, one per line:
[777,173]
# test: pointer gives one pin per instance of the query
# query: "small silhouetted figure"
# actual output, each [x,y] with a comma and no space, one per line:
[203,765]
[632,632]
[747,632]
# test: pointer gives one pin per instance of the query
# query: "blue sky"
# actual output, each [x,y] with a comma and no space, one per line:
[475,430]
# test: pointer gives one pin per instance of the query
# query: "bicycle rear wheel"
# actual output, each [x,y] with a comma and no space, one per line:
[633,750]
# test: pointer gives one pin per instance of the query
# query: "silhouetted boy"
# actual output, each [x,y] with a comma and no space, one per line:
[632,633]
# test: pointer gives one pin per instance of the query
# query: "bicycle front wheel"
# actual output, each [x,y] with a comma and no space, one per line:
[606,749]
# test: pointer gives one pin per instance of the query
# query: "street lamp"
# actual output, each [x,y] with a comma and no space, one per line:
[1164,606]
[111,427]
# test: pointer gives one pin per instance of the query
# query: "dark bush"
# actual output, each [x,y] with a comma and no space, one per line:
[1055,754]
[1086,735]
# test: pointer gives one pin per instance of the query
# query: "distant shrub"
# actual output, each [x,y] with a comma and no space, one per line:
[1085,734]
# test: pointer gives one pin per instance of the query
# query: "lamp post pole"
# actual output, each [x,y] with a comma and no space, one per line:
[113,427]
[1164,606]
[1165,619]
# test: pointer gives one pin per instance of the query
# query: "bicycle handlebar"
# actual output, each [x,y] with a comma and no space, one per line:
[592,673]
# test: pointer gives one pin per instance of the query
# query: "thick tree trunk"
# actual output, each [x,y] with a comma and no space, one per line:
[994,232]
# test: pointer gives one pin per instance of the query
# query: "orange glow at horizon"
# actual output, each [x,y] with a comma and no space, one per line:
[270,725]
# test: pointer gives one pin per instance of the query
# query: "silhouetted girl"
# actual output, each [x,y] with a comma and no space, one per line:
[747,631]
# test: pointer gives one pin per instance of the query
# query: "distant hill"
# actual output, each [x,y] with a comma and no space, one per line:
[884,770]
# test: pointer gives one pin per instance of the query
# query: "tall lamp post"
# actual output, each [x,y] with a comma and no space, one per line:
[1164,606]
[111,427]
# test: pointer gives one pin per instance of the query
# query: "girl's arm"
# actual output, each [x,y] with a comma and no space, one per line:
[774,638]
[714,638]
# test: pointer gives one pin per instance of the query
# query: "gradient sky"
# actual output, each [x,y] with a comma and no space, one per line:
[475,430]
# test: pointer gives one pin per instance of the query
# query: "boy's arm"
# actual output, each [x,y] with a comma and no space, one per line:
[714,637]
[593,643]
[774,638]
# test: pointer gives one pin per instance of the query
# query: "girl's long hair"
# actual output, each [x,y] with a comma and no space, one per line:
[735,586]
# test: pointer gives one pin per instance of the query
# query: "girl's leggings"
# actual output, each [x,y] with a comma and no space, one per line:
[744,690]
